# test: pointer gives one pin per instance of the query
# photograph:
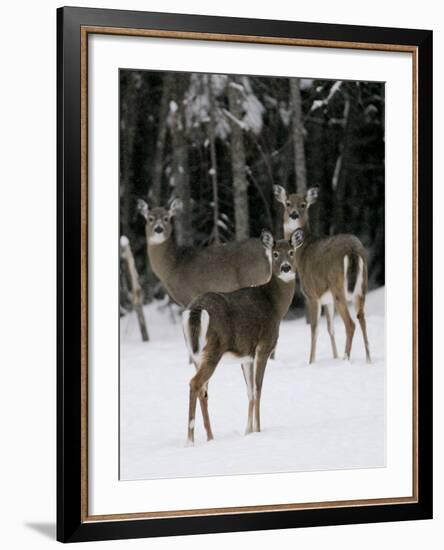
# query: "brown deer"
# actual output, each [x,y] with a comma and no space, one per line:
[188,272]
[332,271]
[243,324]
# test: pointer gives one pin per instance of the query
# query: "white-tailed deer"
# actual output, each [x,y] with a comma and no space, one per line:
[188,272]
[332,271]
[243,324]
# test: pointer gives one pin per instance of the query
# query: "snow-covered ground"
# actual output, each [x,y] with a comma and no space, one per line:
[330,415]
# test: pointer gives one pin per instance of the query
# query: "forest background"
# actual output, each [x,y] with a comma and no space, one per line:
[220,143]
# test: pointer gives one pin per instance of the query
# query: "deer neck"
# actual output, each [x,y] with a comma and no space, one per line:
[163,258]
[291,225]
[280,293]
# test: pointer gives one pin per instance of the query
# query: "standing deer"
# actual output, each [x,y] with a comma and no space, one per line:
[188,272]
[244,324]
[332,272]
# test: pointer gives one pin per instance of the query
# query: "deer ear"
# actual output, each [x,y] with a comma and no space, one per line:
[267,239]
[312,195]
[280,194]
[297,238]
[175,206]
[143,208]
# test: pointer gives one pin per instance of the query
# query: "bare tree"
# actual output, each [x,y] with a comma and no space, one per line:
[156,190]
[298,135]
[136,290]
[240,183]
[213,169]
[179,144]
[340,175]
[127,136]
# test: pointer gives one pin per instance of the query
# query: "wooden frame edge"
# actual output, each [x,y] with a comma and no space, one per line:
[222,37]
[85,31]
[84,272]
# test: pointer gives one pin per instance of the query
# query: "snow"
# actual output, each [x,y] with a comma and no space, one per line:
[253,108]
[318,103]
[240,123]
[173,107]
[330,415]
[124,242]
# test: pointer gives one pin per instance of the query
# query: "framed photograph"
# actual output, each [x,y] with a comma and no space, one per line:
[244,274]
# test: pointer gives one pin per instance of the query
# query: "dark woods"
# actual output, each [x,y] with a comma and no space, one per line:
[220,143]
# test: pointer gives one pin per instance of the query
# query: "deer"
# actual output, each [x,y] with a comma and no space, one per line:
[243,324]
[332,272]
[187,272]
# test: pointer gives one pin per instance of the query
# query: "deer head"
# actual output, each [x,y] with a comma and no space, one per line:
[158,220]
[283,253]
[296,206]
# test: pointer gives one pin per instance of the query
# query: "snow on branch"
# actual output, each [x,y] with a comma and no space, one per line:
[237,86]
[240,123]
[318,103]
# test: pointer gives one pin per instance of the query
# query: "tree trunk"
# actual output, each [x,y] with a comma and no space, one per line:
[128,130]
[136,290]
[213,170]
[298,135]
[240,184]
[156,184]
[181,180]
[339,181]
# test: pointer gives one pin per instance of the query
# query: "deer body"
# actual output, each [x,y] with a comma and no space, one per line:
[332,272]
[243,324]
[188,272]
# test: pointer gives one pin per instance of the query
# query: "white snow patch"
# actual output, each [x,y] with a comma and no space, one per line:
[330,415]
[173,107]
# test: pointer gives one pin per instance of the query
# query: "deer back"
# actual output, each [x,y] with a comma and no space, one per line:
[190,272]
[321,263]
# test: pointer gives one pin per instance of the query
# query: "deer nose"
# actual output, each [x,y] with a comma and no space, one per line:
[286,268]
[158,229]
[294,215]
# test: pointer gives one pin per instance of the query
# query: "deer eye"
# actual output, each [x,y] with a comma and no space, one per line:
[303,205]
[275,254]
[166,219]
[288,204]
[290,253]
[151,219]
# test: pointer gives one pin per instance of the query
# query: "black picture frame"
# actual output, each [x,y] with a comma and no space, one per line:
[71,523]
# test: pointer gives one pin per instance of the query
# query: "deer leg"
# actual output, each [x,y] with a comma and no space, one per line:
[191,415]
[248,371]
[260,362]
[198,389]
[329,314]
[314,311]
[341,306]
[203,399]
[359,306]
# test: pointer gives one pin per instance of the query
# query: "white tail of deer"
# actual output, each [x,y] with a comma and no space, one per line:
[332,272]
[243,324]
[188,272]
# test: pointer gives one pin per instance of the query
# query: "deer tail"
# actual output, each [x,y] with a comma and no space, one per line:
[195,323]
[353,274]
